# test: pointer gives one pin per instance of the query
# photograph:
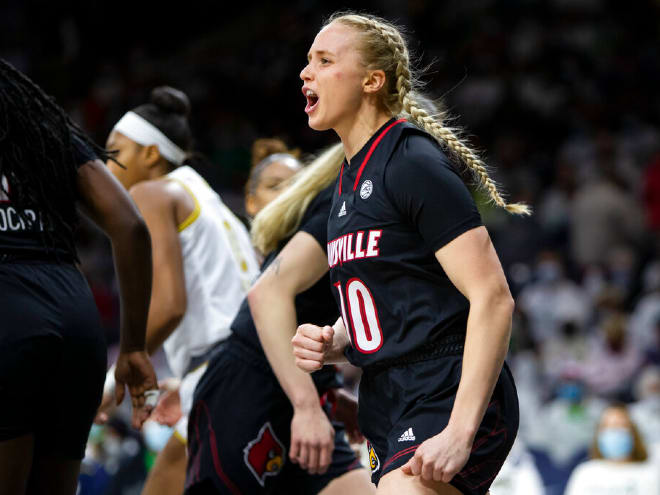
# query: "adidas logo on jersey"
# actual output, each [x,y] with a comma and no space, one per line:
[408,436]
[342,211]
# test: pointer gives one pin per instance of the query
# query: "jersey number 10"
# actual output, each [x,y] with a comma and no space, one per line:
[363,323]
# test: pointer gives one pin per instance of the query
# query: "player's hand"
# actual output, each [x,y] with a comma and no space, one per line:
[345,411]
[134,370]
[168,411]
[312,439]
[440,457]
[311,344]
[103,412]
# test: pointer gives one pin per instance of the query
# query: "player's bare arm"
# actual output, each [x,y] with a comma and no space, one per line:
[106,202]
[472,265]
[300,265]
[158,201]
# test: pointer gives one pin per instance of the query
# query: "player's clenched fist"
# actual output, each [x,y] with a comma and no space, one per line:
[311,345]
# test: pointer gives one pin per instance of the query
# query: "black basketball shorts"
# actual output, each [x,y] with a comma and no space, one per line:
[239,432]
[402,406]
[52,357]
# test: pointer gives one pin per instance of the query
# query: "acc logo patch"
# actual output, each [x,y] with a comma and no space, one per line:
[366,189]
[374,462]
[265,455]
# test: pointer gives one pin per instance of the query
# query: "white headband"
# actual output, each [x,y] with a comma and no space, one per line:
[145,133]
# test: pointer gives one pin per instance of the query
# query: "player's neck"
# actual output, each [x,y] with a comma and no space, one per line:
[356,133]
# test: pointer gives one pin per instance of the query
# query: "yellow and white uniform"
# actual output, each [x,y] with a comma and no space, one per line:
[219,265]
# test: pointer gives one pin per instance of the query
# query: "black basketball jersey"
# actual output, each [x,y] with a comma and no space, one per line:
[397,203]
[313,305]
[21,231]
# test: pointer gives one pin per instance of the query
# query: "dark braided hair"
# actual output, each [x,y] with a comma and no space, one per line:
[39,159]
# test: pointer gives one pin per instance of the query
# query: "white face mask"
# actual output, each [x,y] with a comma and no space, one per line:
[156,435]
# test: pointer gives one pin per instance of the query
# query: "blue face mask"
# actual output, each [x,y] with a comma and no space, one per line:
[156,435]
[615,443]
[571,392]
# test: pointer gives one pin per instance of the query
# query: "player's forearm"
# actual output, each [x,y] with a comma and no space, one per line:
[274,315]
[132,254]
[486,345]
[159,329]
[335,354]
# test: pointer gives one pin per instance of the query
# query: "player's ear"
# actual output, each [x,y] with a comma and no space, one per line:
[250,205]
[150,155]
[373,81]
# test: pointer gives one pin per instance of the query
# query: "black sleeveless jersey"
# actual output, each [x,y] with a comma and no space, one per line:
[21,235]
[313,305]
[397,203]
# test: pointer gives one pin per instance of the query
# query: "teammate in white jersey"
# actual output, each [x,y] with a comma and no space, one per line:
[203,259]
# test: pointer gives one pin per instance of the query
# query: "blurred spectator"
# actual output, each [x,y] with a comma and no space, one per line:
[646,411]
[562,429]
[128,467]
[604,214]
[114,462]
[621,263]
[565,352]
[94,477]
[613,360]
[651,185]
[156,436]
[518,475]
[618,460]
[552,300]
[554,210]
[531,389]
[645,317]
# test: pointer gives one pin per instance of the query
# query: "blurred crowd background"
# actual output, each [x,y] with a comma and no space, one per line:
[562,97]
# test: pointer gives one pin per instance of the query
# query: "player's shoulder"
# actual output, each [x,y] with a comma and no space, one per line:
[418,146]
[158,193]
[418,156]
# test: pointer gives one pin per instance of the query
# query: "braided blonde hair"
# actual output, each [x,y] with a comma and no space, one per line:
[383,47]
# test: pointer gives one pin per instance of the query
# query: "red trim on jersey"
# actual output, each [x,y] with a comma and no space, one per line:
[409,450]
[369,153]
[480,441]
[363,316]
[341,175]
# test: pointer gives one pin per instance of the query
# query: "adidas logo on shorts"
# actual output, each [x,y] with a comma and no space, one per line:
[408,436]
[342,211]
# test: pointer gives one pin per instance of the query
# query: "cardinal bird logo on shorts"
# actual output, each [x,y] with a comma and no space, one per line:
[374,462]
[265,454]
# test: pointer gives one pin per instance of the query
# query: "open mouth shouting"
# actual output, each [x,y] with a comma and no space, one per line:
[312,100]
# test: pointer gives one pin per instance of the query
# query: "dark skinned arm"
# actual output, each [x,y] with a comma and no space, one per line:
[106,202]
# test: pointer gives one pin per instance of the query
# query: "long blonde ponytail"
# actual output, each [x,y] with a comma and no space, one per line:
[383,47]
[281,218]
